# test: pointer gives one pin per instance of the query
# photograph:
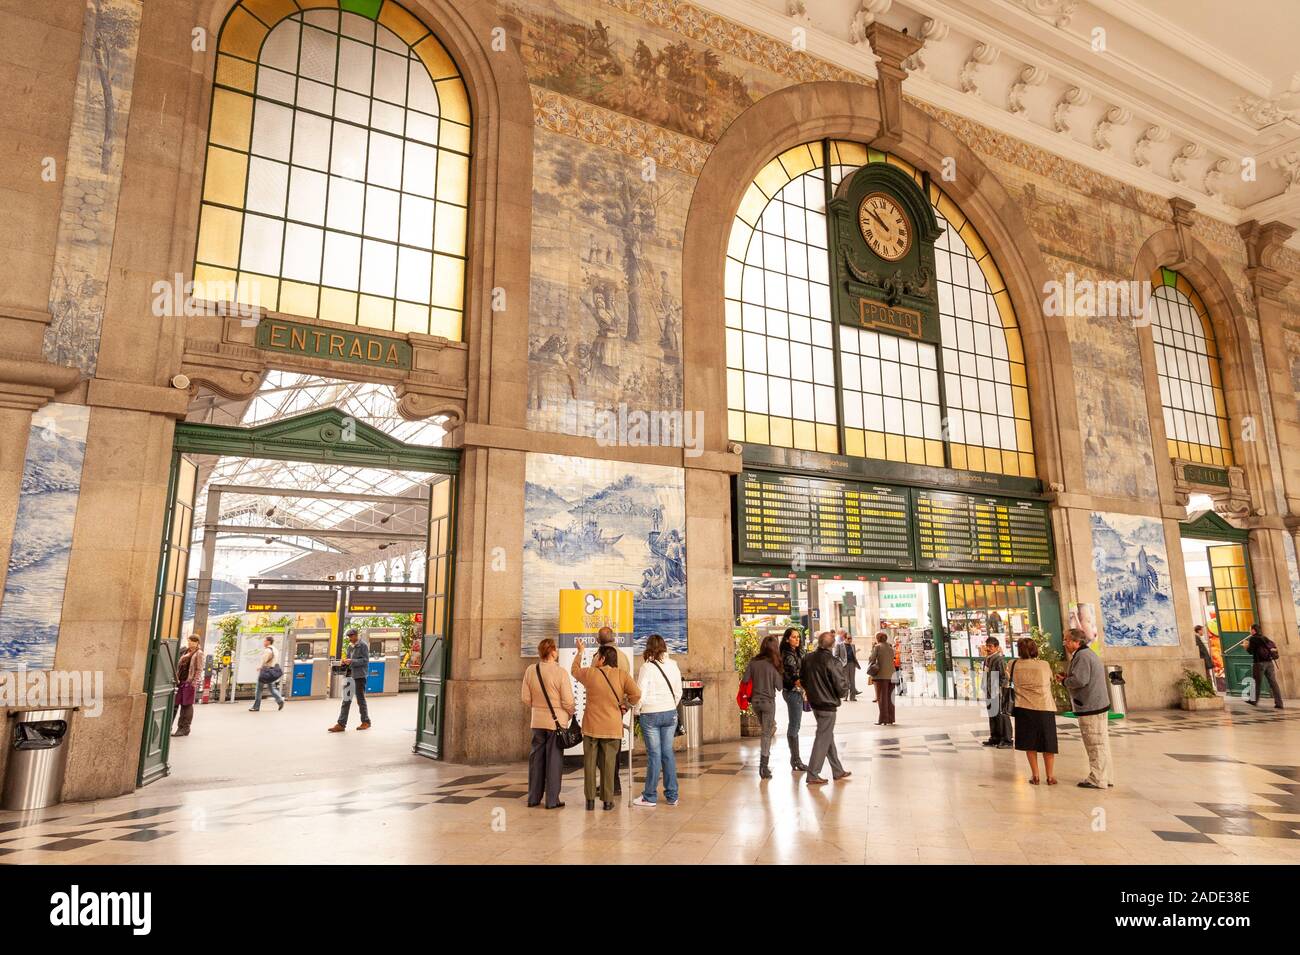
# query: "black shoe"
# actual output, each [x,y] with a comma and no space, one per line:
[558,805]
[608,806]
[764,773]
[1252,702]
[282,704]
[798,767]
[1087,785]
[1005,745]
[534,805]
[591,805]
[989,742]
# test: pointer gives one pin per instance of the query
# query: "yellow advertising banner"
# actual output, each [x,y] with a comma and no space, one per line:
[584,612]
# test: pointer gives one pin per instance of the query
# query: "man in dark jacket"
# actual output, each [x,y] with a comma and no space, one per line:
[995,675]
[823,680]
[1264,653]
[356,661]
[791,662]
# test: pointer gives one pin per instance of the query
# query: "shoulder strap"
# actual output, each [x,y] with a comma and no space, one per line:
[666,680]
[617,699]
[546,696]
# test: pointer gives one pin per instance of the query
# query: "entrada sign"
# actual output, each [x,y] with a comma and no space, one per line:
[276,334]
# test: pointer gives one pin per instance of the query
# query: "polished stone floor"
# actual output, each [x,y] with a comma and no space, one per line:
[274,787]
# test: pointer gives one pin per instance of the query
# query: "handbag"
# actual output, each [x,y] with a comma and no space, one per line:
[1007,698]
[270,674]
[744,693]
[185,694]
[873,667]
[569,737]
[681,715]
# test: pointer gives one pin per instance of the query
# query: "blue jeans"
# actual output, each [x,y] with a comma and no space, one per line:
[657,731]
[275,694]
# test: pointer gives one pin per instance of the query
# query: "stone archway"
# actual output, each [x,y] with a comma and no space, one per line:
[1175,248]
[812,111]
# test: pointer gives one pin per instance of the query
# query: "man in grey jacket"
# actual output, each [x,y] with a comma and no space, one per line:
[1085,678]
[357,661]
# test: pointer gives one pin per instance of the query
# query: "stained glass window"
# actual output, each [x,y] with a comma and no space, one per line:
[963,405]
[337,176]
[1187,365]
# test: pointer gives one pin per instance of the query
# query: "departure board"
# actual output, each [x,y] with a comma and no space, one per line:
[984,534]
[782,517]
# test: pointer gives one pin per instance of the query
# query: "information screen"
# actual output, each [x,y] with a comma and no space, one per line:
[782,517]
[982,534]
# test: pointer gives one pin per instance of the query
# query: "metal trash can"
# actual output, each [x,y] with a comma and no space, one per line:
[38,757]
[1115,684]
[693,712]
[338,682]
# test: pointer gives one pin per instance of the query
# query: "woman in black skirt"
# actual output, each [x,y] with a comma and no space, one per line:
[1035,710]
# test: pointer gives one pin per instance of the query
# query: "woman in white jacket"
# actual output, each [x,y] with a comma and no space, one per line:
[660,682]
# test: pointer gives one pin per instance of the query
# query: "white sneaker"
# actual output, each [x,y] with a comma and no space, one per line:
[643,802]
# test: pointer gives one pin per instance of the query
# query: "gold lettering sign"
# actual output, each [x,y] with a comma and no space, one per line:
[281,335]
[888,318]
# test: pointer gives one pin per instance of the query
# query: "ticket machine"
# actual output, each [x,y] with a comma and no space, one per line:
[308,671]
[385,660]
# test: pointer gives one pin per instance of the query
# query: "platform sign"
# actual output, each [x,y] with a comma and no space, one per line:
[385,601]
[752,603]
[291,600]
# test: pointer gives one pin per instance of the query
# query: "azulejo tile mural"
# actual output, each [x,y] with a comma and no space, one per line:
[606,309]
[92,182]
[1132,564]
[670,64]
[38,558]
[604,525]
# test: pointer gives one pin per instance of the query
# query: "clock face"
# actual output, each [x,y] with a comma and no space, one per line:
[884,226]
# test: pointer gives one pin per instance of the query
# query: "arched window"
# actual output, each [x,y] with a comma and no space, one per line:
[792,381]
[337,176]
[1187,362]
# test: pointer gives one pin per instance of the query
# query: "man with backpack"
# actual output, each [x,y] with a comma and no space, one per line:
[1264,652]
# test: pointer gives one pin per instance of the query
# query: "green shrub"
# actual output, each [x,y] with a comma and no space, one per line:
[1194,686]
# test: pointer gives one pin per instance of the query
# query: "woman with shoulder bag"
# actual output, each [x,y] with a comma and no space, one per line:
[660,682]
[1034,709]
[189,680]
[610,692]
[549,691]
[268,675]
[765,672]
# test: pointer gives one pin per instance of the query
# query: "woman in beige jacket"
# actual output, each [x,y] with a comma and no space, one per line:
[1035,709]
[610,693]
[547,680]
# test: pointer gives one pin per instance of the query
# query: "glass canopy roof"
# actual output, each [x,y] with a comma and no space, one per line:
[378,505]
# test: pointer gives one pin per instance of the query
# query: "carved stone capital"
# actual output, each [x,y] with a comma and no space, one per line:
[27,383]
[1181,212]
[1264,242]
[891,47]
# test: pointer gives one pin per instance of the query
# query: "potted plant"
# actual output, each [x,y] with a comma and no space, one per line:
[745,636]
[1056,660]
[1198,693]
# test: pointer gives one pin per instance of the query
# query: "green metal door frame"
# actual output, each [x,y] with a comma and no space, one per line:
[324,436]
[1209,526]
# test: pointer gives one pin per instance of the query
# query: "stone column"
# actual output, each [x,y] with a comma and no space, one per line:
[1277,611]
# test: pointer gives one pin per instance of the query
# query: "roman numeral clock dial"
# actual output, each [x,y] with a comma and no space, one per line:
[884,226]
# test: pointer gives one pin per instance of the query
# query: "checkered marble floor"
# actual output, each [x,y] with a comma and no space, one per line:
[1191,788]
